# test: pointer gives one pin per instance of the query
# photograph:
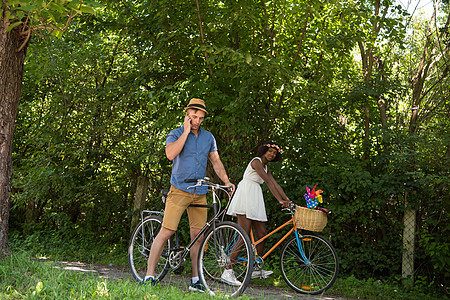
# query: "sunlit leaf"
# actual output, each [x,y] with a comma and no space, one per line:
[11,26]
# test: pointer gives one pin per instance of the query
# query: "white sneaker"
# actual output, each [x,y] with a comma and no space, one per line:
[261,274]
[229,278]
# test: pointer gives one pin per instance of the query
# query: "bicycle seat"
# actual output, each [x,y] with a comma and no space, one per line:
[164,192]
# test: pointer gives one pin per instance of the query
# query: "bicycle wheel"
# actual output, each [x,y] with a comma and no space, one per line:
[214,258]
[139,249]
[313,271]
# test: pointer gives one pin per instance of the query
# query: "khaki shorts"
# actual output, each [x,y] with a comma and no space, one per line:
[177,202]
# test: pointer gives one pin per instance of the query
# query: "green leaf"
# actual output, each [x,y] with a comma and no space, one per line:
[28,8]
[74,7]
[87,9]
[57,7]
[93,4]
[39,287]
[11,26]
[57,33]
[248,58]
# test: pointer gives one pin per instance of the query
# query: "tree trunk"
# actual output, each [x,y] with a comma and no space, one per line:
[11,75]
[139,198]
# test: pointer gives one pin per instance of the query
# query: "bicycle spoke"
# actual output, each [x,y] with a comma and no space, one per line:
[318,273]
[139,249]
[216,254]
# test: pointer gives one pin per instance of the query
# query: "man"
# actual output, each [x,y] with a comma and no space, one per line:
[189,147]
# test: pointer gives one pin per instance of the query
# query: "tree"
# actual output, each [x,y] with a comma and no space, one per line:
[19,20]
[428,98]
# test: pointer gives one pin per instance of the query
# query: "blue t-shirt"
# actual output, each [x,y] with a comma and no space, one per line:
[192,160]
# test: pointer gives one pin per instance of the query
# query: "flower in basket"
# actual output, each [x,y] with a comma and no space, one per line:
[310,202]
[319,196]
[312,197]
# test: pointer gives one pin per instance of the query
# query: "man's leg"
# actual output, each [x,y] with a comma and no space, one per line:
[197,219]
[175,206]
[157,249]
[194,251]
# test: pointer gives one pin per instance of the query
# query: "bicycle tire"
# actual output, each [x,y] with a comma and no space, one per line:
[239,271]
[139,248]
[314,277]
[214,256]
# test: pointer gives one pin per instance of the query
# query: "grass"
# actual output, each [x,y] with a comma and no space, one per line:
[24,278]
[350,287]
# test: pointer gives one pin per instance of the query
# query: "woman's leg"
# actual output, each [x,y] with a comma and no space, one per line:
[246,224]
[261,231]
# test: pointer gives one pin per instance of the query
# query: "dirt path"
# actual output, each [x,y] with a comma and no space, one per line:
[122,272]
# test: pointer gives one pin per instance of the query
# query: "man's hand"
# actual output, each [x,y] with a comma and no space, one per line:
[232,189]
[187,123]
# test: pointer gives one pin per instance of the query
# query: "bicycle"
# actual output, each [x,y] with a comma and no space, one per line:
[308,262]
[219,238]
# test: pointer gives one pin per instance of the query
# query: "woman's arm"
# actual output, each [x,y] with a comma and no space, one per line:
[271,183]
[279,188]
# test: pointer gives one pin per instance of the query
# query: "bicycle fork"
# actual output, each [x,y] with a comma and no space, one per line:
[300,248]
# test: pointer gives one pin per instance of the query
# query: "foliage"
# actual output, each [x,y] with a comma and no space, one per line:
[98,103]
[66,245]
[54,15]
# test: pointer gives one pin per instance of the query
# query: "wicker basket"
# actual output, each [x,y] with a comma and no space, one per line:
[310,219]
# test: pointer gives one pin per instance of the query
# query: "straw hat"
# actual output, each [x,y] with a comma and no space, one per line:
[196,103]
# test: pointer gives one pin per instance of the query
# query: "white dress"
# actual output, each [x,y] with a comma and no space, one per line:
[248,199]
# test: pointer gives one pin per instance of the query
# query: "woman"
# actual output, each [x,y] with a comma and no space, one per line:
[248,201]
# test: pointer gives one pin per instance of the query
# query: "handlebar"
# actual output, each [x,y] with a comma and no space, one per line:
[205,181]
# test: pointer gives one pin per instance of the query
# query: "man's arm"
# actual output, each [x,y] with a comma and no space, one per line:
[219,168]
[174,148]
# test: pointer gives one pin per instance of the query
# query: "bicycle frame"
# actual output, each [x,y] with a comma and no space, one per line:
[308,262]
[211,222]
[293,229]
[213,239]
[270,233]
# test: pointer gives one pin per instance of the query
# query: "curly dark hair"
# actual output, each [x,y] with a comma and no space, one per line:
[265,147]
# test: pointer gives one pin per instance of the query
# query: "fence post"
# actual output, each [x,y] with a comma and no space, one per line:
[409,222]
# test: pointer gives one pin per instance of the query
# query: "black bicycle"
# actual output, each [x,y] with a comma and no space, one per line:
[220,239]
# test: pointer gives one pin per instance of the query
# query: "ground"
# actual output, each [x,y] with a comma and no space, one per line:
[122,272]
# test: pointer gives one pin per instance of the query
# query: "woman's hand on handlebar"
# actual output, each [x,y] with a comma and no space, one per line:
[285,203]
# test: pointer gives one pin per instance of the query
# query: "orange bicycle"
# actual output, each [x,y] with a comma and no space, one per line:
[308,262]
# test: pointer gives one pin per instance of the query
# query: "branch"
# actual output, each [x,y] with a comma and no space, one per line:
[269,30]
[363,58]
[69,20]
[440,35]
[300,42]
[27,38]
[203,39]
